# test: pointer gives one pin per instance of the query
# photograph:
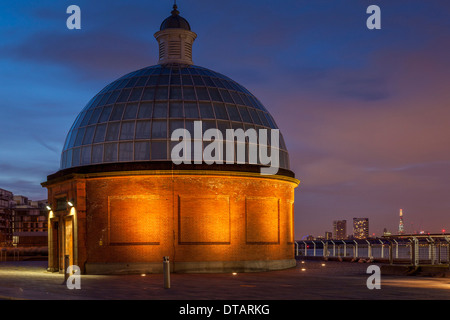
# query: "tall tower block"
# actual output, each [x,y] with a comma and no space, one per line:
[401,228]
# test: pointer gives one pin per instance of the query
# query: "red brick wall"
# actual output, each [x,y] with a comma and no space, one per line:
[141,218]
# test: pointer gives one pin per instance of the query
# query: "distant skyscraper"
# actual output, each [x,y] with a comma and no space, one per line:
[328,235]
[6,216]
[340,229]
[360,228]
[401,228]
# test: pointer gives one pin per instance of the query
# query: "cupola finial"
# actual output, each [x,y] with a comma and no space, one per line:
[175,12]
[175,39]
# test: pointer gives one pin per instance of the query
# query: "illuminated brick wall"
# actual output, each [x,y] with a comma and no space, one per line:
[202,217]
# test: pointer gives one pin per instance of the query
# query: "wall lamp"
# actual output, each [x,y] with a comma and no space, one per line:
[49,208]
[70,204]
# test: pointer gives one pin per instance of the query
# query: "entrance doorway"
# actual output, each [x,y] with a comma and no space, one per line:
[54,264]
[68,239]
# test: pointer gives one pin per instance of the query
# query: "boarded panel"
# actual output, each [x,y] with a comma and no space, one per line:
[262,220]
[204,220]
[136,220]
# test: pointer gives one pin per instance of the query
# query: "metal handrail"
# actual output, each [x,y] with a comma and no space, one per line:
[416,250]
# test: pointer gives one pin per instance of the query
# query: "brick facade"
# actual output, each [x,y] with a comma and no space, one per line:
[127,221]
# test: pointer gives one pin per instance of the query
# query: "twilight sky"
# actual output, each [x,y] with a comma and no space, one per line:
[365,113]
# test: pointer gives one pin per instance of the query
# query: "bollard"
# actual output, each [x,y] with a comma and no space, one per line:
[66,266]
[166,270]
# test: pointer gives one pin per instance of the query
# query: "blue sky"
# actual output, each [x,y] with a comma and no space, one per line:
[364,112]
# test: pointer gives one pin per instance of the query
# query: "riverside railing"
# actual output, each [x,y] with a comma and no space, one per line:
[409,249]
[20,253]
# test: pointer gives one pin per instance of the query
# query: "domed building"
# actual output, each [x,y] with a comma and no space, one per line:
[119,203]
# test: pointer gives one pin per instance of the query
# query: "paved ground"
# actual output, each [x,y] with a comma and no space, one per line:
[335,280]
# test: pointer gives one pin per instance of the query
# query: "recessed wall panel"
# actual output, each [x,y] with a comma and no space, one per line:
[262,220]
[204,220]
[136,220]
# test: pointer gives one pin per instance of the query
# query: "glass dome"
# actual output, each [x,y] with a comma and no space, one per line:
[132,118]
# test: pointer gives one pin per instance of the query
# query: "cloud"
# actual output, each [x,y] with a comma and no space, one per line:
[26,188]
[52,148]
[93,55]
[24,179]
[358,156]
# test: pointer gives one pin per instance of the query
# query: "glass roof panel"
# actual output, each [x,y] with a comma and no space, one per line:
[141,108]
